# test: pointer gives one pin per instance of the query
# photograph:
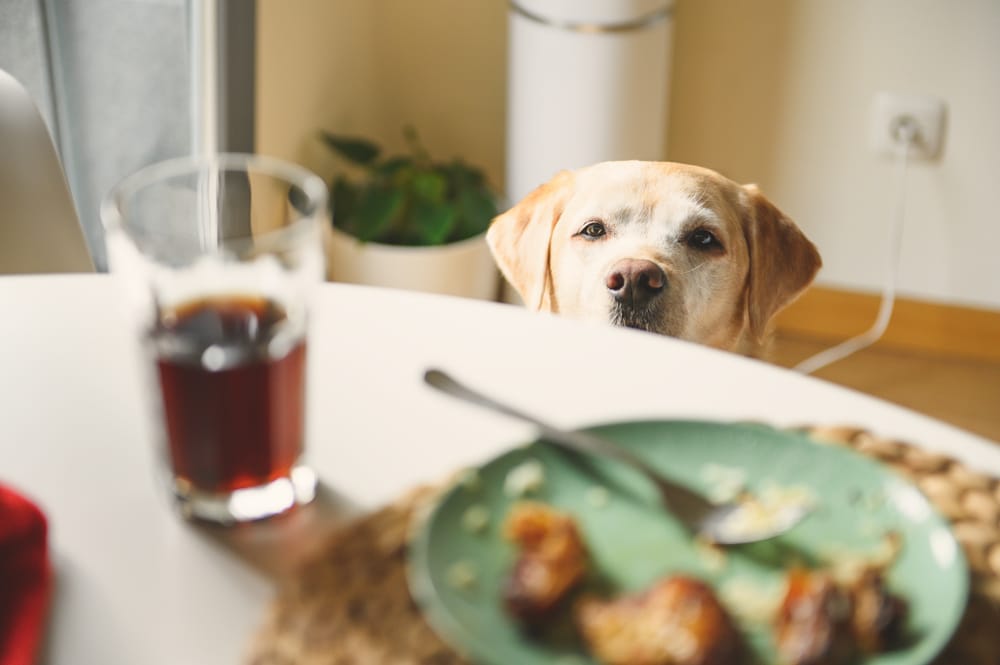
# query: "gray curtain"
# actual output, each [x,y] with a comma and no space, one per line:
[113,80]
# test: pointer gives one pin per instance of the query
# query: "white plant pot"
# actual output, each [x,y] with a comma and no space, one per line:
[463,268]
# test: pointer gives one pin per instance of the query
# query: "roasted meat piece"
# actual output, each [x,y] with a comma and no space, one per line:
[552,560]
[813,625]
[823,623]
[678,621]
[877,623]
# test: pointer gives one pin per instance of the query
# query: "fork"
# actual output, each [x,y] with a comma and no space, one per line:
[728,523]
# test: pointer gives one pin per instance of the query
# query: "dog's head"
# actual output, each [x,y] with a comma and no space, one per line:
[670,248]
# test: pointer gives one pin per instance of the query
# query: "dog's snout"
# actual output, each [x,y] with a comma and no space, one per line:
[635,281]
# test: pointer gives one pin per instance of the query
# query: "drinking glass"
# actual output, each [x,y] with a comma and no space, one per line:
[217,256]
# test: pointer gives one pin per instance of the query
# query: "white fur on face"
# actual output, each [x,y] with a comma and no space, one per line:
[649,214]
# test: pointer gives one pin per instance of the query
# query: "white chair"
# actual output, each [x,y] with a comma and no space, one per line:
[39,228]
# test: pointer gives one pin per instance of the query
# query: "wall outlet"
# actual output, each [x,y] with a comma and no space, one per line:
[890,109]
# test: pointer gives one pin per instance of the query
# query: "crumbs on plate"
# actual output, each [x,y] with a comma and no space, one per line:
[475,519]
[528,477]
[598,496]
[462,575]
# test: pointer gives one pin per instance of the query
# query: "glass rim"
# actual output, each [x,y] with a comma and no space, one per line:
[311,184]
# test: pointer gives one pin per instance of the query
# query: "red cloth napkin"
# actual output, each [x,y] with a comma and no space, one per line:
[25,578]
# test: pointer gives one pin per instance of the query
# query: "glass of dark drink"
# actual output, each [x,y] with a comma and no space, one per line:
[218,255]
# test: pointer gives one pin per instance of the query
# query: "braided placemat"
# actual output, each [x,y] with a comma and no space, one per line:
[350,604]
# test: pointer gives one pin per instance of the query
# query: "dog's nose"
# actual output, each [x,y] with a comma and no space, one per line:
[635,281]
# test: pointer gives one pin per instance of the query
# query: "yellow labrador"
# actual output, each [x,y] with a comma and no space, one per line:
[669,248]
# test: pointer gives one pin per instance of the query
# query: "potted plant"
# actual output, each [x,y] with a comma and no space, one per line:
[409,221]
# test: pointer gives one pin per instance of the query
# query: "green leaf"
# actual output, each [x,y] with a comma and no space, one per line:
[393,166]
[476,208]
[359,151]
[429,186]
[432,222]
[343,201]
[416,147]
[408,199]
[462,175]
[377,209]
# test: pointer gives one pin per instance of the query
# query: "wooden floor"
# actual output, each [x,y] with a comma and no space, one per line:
[961,392]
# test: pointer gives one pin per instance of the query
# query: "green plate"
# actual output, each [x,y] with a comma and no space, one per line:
[632,542]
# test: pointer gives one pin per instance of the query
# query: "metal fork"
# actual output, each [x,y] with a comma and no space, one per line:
[728,523]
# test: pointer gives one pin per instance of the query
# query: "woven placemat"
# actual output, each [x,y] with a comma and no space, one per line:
[349,604]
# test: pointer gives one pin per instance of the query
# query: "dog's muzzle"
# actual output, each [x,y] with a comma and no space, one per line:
[636,287]
[635,283]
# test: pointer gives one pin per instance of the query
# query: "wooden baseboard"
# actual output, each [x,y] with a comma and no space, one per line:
[949,330]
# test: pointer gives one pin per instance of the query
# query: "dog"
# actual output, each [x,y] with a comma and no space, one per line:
[663,247]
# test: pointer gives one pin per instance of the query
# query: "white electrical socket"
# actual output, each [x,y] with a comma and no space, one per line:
[890,109]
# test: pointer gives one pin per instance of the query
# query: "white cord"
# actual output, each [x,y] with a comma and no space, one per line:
[906,133]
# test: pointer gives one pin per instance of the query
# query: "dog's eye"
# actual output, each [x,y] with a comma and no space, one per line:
[592,230]
[703,239]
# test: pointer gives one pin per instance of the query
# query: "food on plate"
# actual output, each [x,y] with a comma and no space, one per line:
[476,518]
[766,510]
[830,616]
[823,622]
[879,616]
[525,478]
[551,560]
[462,575]
[724,483]
[470,480]
[848,565]
[677,621]
[750,600]
[813,625]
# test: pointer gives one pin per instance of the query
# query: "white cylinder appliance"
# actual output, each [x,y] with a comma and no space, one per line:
[587,82]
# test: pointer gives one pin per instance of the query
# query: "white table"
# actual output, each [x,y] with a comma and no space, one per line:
[137,585]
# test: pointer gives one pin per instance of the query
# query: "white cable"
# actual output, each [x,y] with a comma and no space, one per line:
[906,133]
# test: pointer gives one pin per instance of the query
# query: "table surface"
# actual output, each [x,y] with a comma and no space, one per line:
[135,584]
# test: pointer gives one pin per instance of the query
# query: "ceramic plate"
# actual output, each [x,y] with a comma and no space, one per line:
[457,573]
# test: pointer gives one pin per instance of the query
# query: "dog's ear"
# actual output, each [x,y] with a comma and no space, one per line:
[520,239]
[783,262]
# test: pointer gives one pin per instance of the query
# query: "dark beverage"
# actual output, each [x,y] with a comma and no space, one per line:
[231,373]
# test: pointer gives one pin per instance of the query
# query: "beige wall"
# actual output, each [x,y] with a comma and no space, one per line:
[779,92]
[315,69]
[369,67]
[772,91]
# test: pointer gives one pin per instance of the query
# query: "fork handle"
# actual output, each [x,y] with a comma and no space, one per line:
[576,441]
